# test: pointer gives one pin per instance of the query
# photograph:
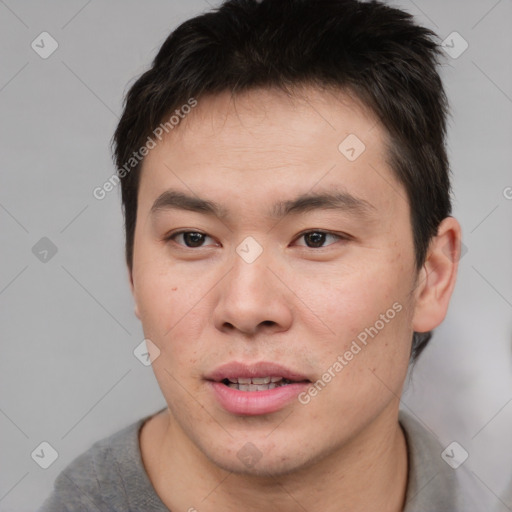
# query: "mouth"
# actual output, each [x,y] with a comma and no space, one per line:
[255,389]
[257,383]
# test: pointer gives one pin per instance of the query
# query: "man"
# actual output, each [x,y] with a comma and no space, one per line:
[290,248]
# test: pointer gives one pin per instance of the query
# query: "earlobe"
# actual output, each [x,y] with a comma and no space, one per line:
[436,280]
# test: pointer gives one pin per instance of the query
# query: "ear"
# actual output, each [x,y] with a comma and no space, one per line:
[436,279]
[134,294]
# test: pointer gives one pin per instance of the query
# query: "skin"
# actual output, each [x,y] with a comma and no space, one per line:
[297,305]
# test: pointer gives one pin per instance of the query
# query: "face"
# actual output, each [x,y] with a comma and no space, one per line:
[257,283]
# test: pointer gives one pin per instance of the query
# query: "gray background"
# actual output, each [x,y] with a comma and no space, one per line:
[68,375]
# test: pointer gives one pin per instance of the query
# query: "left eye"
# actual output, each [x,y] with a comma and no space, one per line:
[317,238]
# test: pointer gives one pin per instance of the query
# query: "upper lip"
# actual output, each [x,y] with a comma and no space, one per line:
[234,370]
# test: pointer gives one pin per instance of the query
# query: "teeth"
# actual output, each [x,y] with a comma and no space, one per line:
[256,383]
[255,380]
[264,387]
[261,380]
[254,387]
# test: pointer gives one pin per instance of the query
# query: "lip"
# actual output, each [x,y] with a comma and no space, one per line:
[253,403]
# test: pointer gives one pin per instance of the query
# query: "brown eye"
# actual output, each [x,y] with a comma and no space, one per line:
[316,239]
[191,239]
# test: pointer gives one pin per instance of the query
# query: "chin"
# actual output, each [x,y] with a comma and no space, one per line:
[264,459]
[266,467]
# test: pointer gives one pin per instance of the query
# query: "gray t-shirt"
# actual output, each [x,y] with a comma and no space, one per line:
[110,476]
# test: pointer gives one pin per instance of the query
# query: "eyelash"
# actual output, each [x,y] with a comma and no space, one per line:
[172,236]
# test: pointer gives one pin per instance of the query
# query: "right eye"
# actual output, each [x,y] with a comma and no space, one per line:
[191,239]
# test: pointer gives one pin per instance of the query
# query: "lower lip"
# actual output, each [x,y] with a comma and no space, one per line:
[253,403]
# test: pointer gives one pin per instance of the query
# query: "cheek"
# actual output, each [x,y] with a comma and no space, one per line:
[352,298]
[363,311]
[160,298]
[162,289]
[175,311]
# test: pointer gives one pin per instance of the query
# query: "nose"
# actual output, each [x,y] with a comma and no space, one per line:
[253,299]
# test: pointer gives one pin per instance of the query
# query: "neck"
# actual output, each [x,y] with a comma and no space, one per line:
[369,473]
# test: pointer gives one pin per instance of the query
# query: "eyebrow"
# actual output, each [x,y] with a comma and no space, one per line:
[338,200]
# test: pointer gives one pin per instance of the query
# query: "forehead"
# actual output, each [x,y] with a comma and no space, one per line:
[264,143]
[271,121]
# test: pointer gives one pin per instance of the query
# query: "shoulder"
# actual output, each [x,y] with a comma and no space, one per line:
[109,476]
[437,480]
